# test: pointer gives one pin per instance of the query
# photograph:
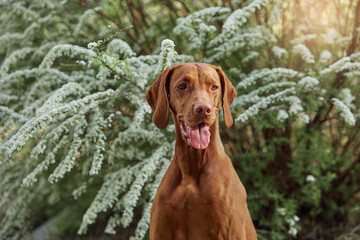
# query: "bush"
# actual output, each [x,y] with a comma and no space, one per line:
[77,141]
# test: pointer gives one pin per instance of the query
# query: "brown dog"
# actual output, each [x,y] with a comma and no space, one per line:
[200,196]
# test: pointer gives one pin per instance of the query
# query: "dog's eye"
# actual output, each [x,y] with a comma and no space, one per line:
[214,87]
[182,86]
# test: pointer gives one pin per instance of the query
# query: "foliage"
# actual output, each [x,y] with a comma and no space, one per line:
[76,131]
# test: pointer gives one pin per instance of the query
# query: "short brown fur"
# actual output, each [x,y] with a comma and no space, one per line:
[200,196]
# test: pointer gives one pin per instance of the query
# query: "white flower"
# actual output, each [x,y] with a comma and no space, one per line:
[291,222]
[120,49]
[81,62]
[355,56]
[278,51]
[310,178]
[252,54]
[347,98]
[13,58]
[295,104]
[262,104]
[345,111]
[304,117]
[338,66]
[92,45]
[267,75]
[235,21]
[67,50]
[330,36]
[275,15]
[282,115]
[166,56]
[305,53]
[308,82]
[293,231]
[325,56]
[198,36]
[281,211]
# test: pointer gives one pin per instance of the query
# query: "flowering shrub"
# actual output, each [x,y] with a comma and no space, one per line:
[76,136]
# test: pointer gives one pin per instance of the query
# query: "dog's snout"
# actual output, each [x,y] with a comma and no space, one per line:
[203,108]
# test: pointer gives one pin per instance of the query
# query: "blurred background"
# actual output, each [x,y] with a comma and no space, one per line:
[81,159]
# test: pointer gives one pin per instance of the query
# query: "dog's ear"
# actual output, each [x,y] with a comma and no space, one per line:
[228,95]
[157,97]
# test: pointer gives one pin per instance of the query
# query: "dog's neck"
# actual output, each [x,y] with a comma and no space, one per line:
[191,160]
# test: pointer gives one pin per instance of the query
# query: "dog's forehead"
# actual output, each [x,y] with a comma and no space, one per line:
[195,72]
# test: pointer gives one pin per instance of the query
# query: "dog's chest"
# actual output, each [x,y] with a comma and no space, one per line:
[186,196]
[189,207]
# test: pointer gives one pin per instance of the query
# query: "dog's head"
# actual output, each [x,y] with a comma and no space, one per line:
[193,92]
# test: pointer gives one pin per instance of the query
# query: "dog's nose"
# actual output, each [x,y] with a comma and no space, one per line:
[203,108]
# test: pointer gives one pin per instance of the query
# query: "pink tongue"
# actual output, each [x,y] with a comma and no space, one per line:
[200,136]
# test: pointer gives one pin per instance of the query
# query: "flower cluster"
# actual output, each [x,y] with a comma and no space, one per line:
[345,111]
[202,20]
[166,56]
[278,51]
[263,104]
[305,53]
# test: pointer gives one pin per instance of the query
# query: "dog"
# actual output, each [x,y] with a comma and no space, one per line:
[200,196]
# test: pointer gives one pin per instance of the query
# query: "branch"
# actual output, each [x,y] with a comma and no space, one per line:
[353,44]
[142,14]
[123,77]
[136,22]
[185,7]
[134,18]
[351,139]
[345,174]
[128,33]
[347,13]
[355,229]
